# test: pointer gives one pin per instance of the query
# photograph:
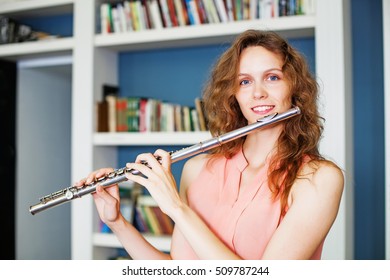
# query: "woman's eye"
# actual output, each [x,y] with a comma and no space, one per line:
[273,78]
[244,82]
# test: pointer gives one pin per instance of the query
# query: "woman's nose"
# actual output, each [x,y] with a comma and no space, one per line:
[259,91]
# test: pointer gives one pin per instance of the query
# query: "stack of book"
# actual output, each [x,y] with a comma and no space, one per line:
[137,15]
[150,219]
[141,114]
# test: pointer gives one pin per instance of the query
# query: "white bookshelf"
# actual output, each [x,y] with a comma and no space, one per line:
[294,26]
[36,7]
[95,62]
[163,242]
[149,138]
[44,48]
[53,47]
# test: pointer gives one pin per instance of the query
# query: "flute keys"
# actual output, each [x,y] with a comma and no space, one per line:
[120,171]
[128,170]
[101,179]
[69,194]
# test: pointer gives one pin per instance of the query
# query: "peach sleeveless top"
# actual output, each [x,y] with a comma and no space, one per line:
[245,222]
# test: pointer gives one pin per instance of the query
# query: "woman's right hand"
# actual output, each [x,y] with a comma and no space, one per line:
[107,199]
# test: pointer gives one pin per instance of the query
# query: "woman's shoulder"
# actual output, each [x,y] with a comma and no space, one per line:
[197,161]
[319,178]
[314,170]
[191,170]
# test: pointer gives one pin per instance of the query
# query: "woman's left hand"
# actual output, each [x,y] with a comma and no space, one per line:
[158,179]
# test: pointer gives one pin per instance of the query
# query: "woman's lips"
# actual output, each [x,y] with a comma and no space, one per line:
[263,109]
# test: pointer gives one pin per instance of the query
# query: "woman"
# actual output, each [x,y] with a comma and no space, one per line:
[268,195]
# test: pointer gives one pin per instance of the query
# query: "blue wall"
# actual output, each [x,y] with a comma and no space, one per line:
[368,103]
[61,25]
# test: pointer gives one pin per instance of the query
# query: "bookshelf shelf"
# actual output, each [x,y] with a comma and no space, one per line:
[293,26]
[149,138]
[49,47]
[163,242]
[36,7]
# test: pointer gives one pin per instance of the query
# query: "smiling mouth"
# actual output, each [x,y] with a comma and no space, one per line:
[262,109]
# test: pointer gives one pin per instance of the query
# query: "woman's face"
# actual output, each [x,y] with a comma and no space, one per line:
[263,89]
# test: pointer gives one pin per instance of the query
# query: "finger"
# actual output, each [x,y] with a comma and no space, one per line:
[80,183]
[142,168]
[144,157]
[149,160]
[164,158]
[105,196]
[143,181]
[97,174]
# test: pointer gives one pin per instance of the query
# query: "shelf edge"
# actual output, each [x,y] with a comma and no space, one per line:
[149,138]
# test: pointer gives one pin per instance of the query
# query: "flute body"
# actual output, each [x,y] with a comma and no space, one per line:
[119,175]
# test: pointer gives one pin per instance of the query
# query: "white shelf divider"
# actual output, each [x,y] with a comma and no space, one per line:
[36,48]
[163,242]
[29,6]
[149,138]
[293,26]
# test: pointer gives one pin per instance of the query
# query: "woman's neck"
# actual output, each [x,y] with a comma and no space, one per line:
[259,145]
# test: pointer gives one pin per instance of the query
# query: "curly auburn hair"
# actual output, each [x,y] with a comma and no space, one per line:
[301,134]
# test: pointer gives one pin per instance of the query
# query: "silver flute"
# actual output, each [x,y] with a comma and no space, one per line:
[119,175]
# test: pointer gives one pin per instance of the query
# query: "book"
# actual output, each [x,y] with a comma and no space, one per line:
[116,20]
[142,17]
[186,115]
[135,16]
[112,119]
[102,116]
[172,13]
[178,118]
[133,114]
[142,115]
[121,114]
[180,12]
[230,9]
[157,22]
[127,209]
[150,216]
[148,24]
[194,120]
[165,13]
[192,11]
[123,18]
[221,9]
[103,228]
[239,8]
[152,220]
[201,115]
[202,11]
[308,7]
[139,220]
[211,11]
[267,9]
[105,18]
[283,8]
[110,94]
[164,221]
[128,15]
